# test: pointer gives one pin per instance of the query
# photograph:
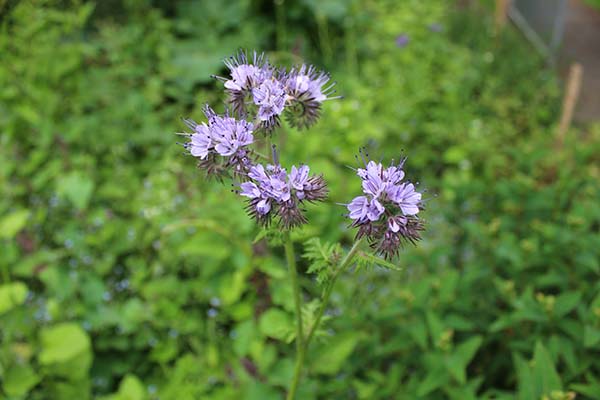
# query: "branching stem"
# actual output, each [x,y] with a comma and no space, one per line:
[301,342]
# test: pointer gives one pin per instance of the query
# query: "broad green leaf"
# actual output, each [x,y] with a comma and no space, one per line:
[131,388]
[245,333]
[232,287]
[63,342]
[12,295]
[77,188]
[12,223]
[19,380]
[260,391]
[276,323]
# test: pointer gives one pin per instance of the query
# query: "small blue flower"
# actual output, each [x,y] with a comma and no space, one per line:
[402,40]
[435,27]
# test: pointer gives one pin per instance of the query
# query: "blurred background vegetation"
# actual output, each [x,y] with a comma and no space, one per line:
[124,275]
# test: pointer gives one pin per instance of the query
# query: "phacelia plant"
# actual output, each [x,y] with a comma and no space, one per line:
[258,95]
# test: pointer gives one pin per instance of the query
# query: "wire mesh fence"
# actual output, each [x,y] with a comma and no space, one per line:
[542,22]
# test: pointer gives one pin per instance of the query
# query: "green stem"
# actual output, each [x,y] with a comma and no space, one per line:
[280,24]
[5,274]
[324,37]
[291,262]
[302,344]
[342,266]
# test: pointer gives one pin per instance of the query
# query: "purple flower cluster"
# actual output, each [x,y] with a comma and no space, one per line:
[387,212]
[257,88]
[222,144]
[260,93]
[272,192]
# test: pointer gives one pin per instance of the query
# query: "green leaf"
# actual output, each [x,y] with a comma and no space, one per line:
[62,342]
[544,373]
[131,388]
[437,377]
[525,384]
[322,257]
[331,357]
[537,378]
[12,295]
[365,259]
[260,391]
[77,188]
[591,336]
[19,380]
[245,333]
[418,331]
[276,323]
[12,223]
[461,357]
[436,326]
[565,303]
[589,389]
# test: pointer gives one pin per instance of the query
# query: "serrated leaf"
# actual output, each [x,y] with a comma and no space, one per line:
[366,259]
[322,257]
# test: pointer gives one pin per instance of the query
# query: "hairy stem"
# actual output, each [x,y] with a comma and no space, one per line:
[341,267]
[301,343]
[291,262]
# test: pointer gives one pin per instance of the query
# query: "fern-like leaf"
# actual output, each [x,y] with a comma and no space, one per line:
[365,259]
[322,258]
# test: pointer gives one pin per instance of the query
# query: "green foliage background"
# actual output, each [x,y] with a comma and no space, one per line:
[126,276]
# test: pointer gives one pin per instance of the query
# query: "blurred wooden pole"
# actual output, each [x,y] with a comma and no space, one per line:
[501,14]
[569,102]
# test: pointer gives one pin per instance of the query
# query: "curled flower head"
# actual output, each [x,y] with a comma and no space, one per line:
[246,73]
[307,89]
[222,144]
[270,98]
[386,213]
[272,192]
